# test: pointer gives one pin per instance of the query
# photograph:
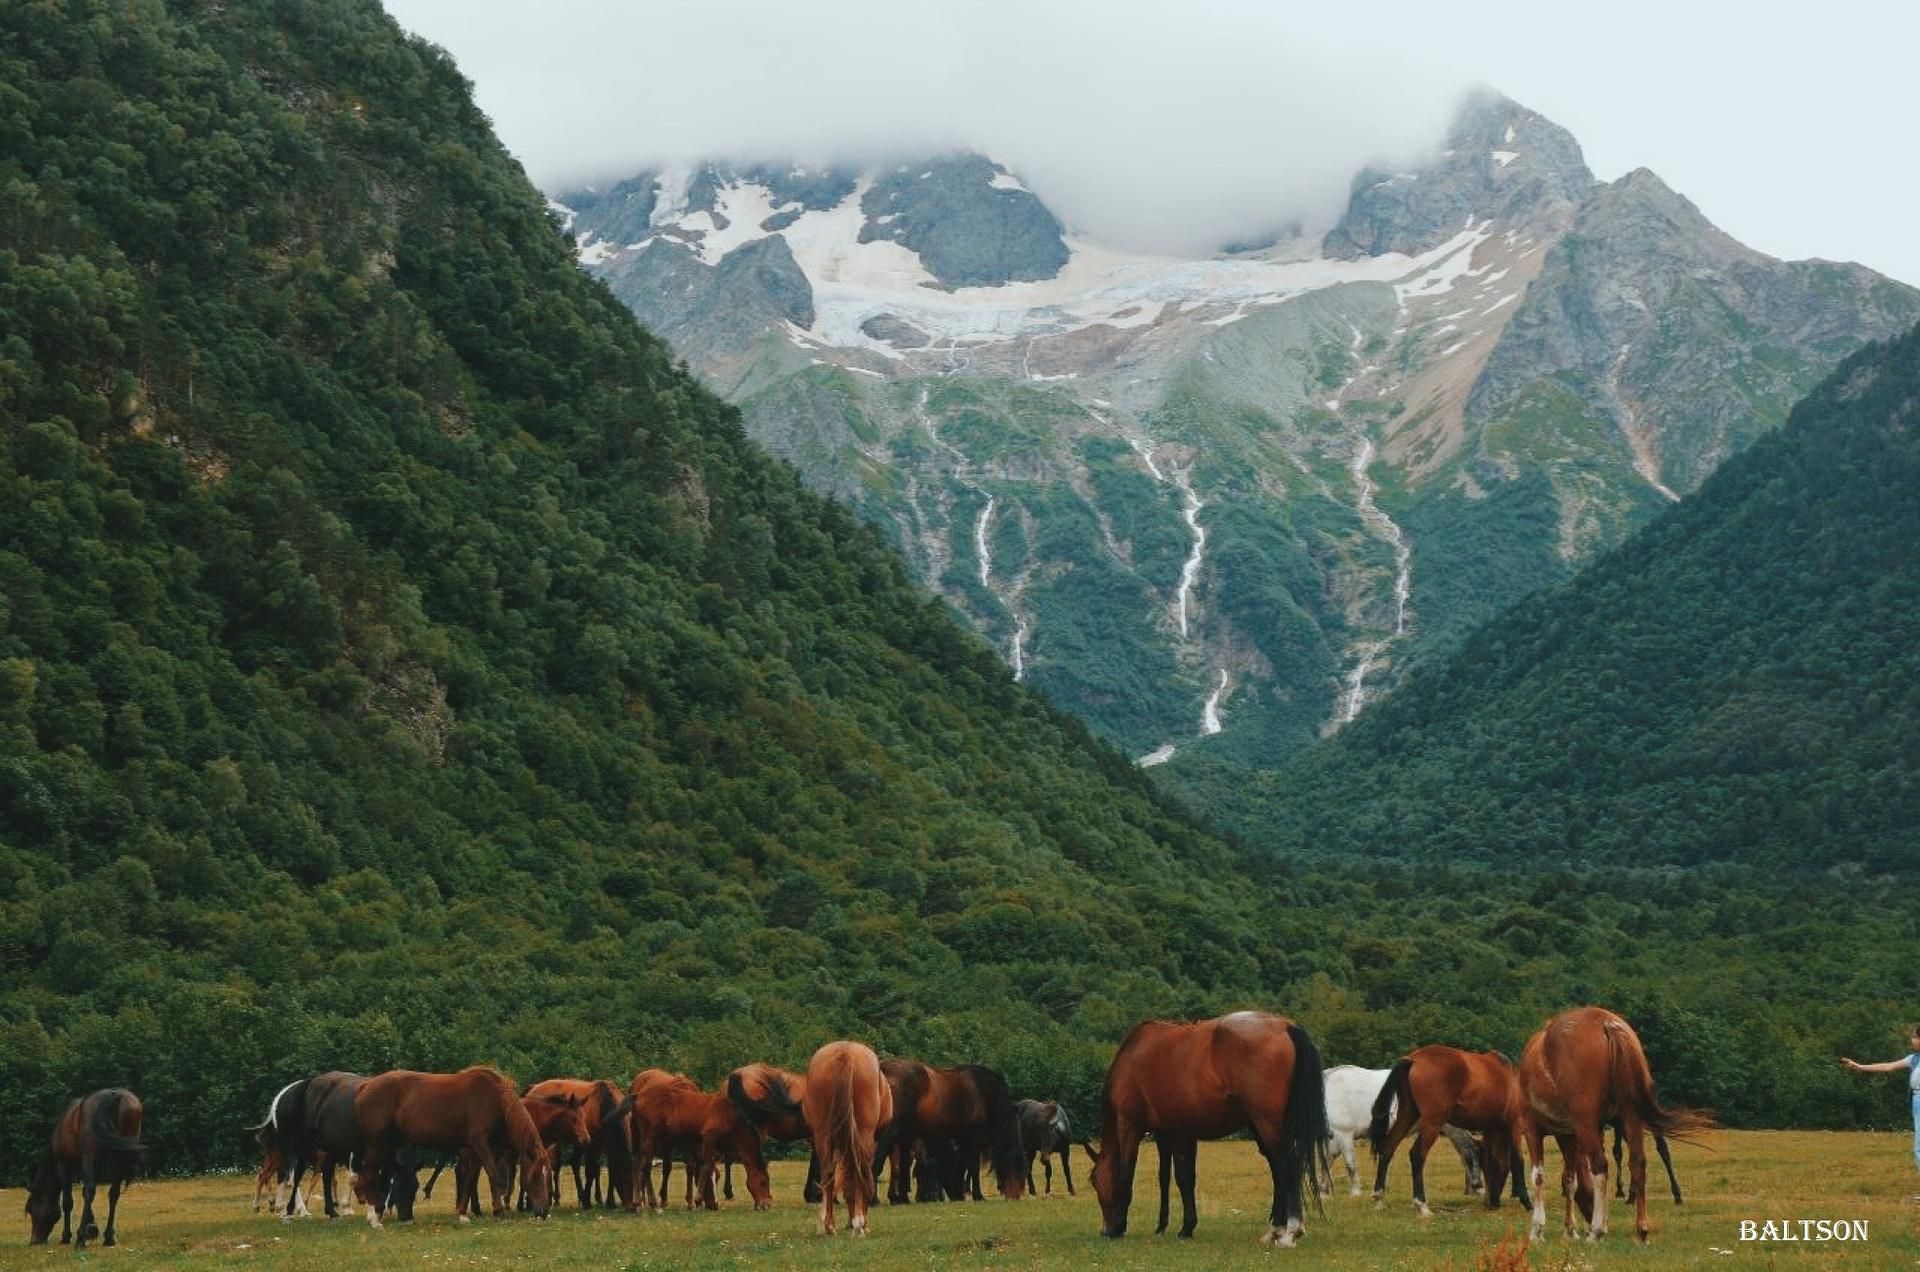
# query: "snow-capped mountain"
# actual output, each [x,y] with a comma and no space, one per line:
[1213,504]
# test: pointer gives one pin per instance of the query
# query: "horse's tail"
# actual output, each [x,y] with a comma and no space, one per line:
[1632,1077]
[1006,1155]
[1398,1084]
[1301,1155]
[104,1123]
[774,1100]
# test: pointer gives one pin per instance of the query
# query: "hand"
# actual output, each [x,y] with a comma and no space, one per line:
[1850,1064]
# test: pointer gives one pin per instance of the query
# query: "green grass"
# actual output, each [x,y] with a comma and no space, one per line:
[204,1222]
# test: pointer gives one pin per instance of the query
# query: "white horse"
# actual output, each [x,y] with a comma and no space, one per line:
[1351,1092]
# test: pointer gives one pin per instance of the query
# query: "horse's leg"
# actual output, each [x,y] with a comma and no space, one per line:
[1666,1159]
[1166,1182]
[1535,1165]
[727,1190]
[1593,1153]
[66,1206]
[1066,1166]
[810,1191]
[1285,1219]
[899,1168]
[1417,1162]
[1404,1116]
[88,1228]
[113,1209]
[1183,1174]
[1341,1143]
[1569,1168]
[829,1168]
[1619,1179]
[1046,1166]
[1637,1165]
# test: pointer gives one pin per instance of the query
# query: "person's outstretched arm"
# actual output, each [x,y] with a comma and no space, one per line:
[1890,1066]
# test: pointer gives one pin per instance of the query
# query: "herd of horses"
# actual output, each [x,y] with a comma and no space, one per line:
[936,1128]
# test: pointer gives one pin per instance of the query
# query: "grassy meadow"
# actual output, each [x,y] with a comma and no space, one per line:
[205,1222]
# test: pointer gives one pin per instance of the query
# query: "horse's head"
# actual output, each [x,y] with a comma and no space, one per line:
[1113,1206]
[536,1164]
[43,1201]
[570,1111]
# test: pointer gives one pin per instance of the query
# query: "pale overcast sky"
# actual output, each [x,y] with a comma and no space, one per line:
[1179,124]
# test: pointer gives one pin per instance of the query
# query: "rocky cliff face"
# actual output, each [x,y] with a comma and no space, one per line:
[1216,506]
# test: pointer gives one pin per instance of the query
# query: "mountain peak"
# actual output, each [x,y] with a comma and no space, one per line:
[1501,162]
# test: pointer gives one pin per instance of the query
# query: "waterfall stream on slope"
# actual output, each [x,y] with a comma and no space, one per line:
[1385,529]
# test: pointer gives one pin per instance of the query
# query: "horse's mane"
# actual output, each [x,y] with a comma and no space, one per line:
[46,1179]
[519,1123]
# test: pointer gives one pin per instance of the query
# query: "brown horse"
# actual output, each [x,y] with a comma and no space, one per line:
[476,1108]
[562,1123]
[769,1098]
[1189,1082]
[98,1136]
[1583,1070]
[850,1108]
[1435,1087]
[670,1112]
[607,1117]
[969,1105]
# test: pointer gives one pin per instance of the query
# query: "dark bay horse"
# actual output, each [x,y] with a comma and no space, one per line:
[1582,1071]
[610,1142]
[1187,1082]
[849,1105]
[476,1108]
[1435,1087]
[326,1136]
[98,1137]
[1044,1132]
[671,1112]
[971,1106]
[279,1136]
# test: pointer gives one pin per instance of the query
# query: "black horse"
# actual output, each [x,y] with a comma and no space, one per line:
[1044,1132]
[328,1134]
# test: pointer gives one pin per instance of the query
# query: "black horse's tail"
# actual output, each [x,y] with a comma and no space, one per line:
[1397,1086]
[1005,1154]
[776,1101]
[103,1125]
[1301,1154]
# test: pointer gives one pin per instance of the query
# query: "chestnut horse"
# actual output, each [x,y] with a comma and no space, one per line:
[850,1108]
[1187,1082]
[562,1123]
[671,1111]
[769,1099]
[476,1108]
[970,1105]
[98,1136]
[607,1119]
[1582,1071]
[1435,1087]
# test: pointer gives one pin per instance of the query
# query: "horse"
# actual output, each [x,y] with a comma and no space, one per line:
[1583,1070]
[969,1104]
[325,1136]
[1436,1087]
[669,1111]
[562,1123]
[1045,1132]
[476,1108]
[849,1106]
[607,1117]
[769,1098]
[280,1137]
[98,1136]
[1187,1082]
[1350,1095]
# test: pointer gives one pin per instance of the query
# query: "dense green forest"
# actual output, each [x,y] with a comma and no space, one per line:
[1738,683]
[403,662]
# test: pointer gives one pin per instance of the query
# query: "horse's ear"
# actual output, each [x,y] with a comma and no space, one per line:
[574,1101]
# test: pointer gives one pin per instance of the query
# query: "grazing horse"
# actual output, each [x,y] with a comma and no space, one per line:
[607,1117]
[968,1104]
[1436,1087]
[1045,1132]
[671,1111]
[769,1099]
[849,1105]
[1583,1070]
[98,1136]
[327,1137]
[1351,1091]
[476,1108]
[562,1123]
[1187,1082]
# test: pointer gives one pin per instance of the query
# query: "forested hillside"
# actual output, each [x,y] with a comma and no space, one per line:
[1738,683]
[403,663]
